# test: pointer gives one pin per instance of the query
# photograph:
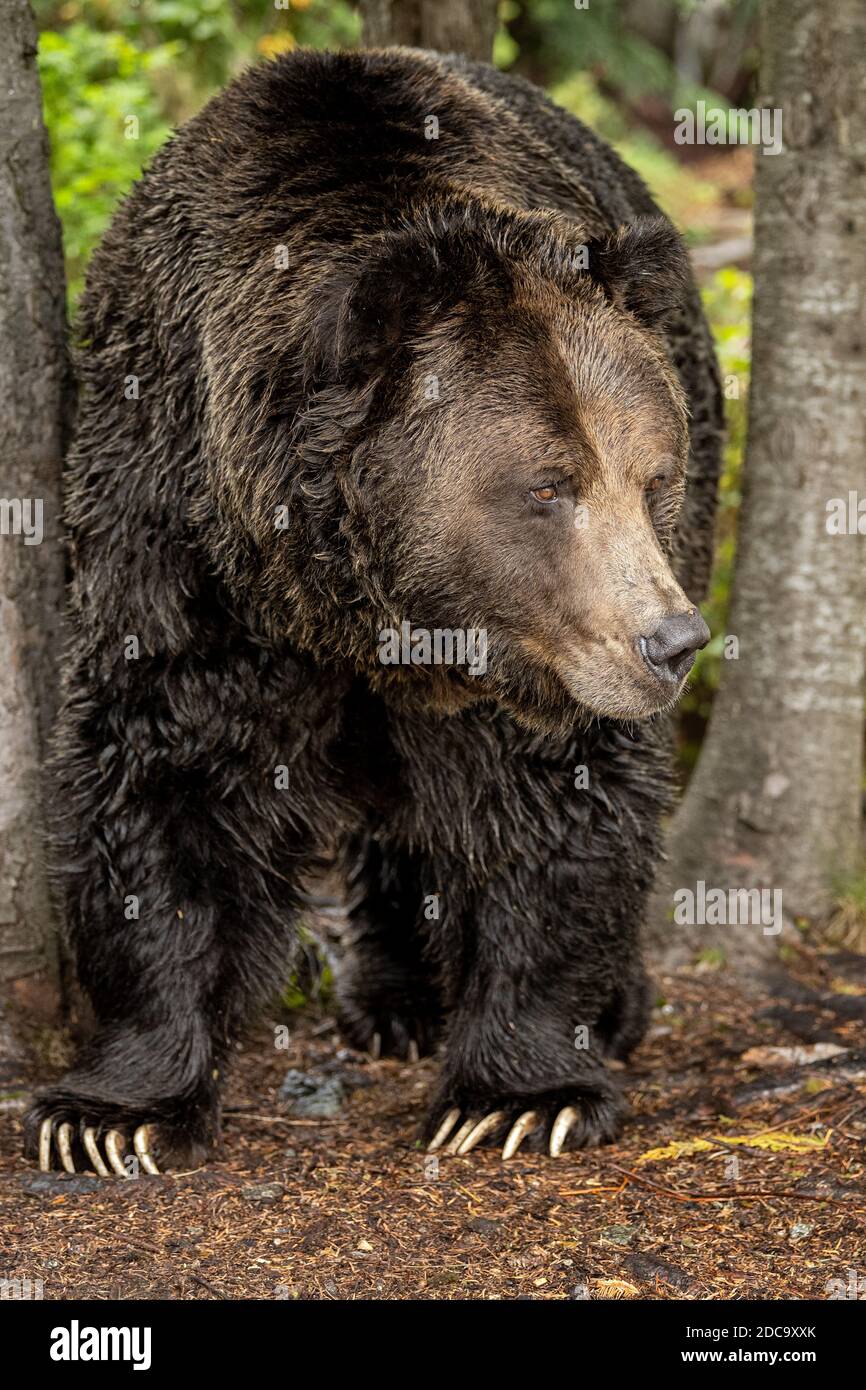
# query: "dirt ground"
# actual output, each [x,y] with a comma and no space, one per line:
[350,1207]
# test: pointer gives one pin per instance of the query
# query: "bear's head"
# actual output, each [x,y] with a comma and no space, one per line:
[482,436]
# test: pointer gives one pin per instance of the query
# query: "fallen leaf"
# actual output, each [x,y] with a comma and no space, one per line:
[676,1150]
[791,1056]
[615,1288]
[777,1141]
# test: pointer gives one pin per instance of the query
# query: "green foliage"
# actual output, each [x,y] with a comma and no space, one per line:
[312,983]
[204,31]
[680,193]
[712,958]
[506,49]
[312,980]
[847,925]
[596,36]
[92,84]
[104,61]
[555,38]
[727,301]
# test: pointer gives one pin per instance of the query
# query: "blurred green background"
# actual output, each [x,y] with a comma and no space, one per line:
[117,77]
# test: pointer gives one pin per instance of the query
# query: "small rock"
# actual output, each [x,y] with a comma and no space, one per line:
[483,1226]
[312,1096]
[619,1235]
[262,1193]
[295,1084]
[651,1268]
[353,1078]
[53,1184]
[324,1103]
[800,1230]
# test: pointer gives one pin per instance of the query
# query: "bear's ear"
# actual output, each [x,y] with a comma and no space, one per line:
[369,308]
[642,267]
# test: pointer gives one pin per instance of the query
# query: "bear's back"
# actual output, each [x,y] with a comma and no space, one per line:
[317,151]
[339,143]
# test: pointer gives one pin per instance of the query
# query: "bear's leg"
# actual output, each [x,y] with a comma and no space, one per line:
[549,985]
[178,850]
[624,1022]
[387,1000]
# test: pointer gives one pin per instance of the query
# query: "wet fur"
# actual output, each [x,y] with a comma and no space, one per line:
[257,648]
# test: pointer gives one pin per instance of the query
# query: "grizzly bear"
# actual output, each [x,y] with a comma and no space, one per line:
[396,459]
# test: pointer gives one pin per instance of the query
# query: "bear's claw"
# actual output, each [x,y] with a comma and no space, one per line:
[115,1143]
[473,1130]
[454,1138]
[518,1132]
[413,1052]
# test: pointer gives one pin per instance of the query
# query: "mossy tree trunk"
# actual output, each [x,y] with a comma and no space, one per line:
[34,411]
[449,26]
[775,800]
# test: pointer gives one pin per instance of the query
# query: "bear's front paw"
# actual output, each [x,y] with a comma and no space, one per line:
[60,1141]
[108,1140]
[578,1119]
[387,1027]
[387,1033]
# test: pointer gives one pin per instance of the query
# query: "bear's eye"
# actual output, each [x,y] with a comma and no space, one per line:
[655,483]
[548,492]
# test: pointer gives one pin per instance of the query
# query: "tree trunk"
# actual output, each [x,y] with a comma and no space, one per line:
[449,26]
[35,406]
[775,799]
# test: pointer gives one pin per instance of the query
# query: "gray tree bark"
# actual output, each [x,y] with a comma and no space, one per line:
[449,26]
[775,800]
[35,405]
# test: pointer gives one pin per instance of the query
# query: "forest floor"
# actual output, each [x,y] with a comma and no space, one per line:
[770,1204]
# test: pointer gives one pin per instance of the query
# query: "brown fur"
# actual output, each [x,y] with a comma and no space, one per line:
[519,263]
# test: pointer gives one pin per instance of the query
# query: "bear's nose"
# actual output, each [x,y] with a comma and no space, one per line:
[670,652]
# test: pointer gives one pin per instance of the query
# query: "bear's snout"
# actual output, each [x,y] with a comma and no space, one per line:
[670,651]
